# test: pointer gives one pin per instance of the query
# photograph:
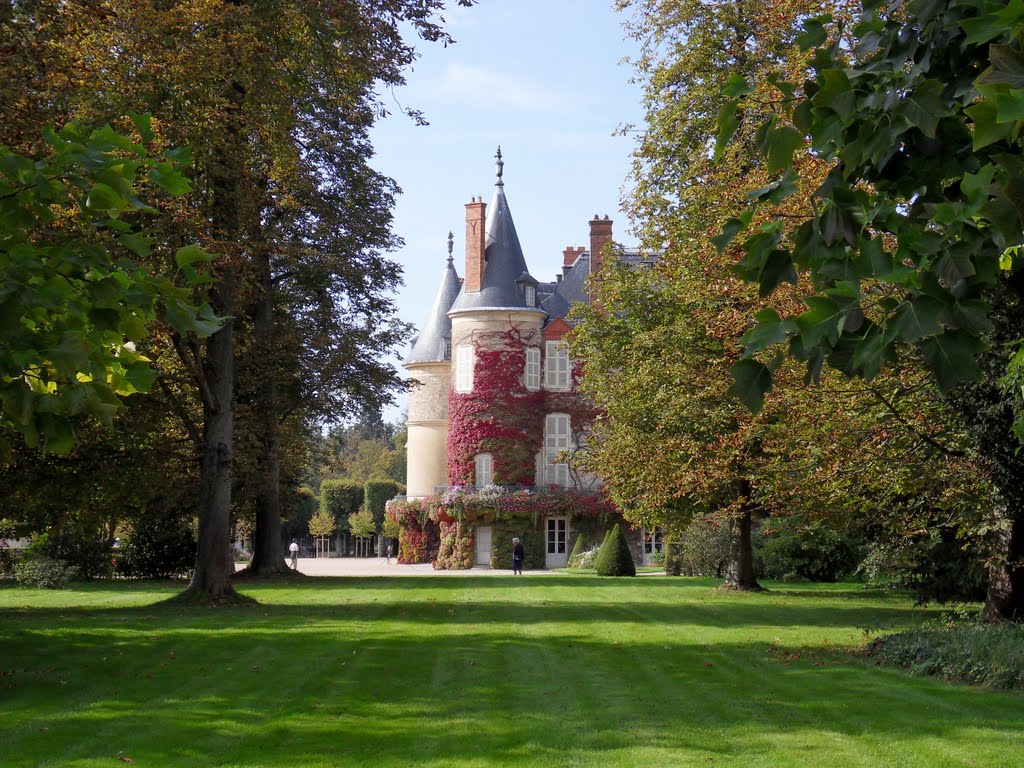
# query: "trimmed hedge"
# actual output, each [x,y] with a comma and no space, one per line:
[615,559]
[376,495]
[577,550]
[340,498]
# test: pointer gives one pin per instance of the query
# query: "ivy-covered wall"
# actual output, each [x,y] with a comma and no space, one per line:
[501,416]
[531,536]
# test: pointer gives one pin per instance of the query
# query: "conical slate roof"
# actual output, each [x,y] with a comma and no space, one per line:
[430,346]
[504,262]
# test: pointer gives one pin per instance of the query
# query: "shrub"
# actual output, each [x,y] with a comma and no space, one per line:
[340,498]
[157,547]
[791,547]
[577,550]
[36,569]
[456,550]
[376,494]
[934,567]
[704,548]
[531,537]
[587,557]
[991,655]
[657,558]
[615,559]
[87,553]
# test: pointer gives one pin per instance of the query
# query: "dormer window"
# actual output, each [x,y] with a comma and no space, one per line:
[530,295]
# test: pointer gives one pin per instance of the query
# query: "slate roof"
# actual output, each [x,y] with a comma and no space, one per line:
[504,263]
[430,346]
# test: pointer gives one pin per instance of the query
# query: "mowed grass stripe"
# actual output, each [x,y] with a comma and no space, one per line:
[480,671]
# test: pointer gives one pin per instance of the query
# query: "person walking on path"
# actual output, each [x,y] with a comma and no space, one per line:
[293,549]
[390,549]
[518,555]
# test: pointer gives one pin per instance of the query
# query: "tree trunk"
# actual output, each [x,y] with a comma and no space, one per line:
[210,577]
[267,556]
[740,574]
[1005,597]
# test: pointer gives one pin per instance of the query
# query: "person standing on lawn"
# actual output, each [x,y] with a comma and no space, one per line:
[293,549]
[518,555]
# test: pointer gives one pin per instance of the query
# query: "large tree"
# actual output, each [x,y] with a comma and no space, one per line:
[914,236]
[276,99]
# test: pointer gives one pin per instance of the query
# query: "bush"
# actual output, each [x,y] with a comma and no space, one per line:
[376,495]
[35,569]
[87,553]
[587,558]
[577,550]
[657,558]
[157,547]
[789,547]
[340,498]
[934,567]
[615,559]
[704,549]
[991,655]
[531,537]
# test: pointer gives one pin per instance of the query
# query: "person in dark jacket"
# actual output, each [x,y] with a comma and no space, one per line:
[518,555]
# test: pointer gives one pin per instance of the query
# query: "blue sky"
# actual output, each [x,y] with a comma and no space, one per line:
[541,78]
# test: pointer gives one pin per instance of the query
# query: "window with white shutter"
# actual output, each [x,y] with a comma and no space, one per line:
[532,376]
[464,369]
[484,470]
[556,366]
[557,438]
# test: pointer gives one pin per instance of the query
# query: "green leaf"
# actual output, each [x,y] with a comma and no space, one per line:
[191,255]
[778,190]
[141,376]
[986,128]
[777,269]
[735,87]
[951,357]
[782,143]
[836,93]
[1007,68]
[837,225]
[730,229]
[752,381]
[814,33]
[167,177]
[1009,107]
[103,197]
[144,125]
[56,433]
[770,330]
[823,320]
[924,107]
[137,244]
[727,125]
[918,317]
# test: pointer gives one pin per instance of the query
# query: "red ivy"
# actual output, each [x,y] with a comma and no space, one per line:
[500,416]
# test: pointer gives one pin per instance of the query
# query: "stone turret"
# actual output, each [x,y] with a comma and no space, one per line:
[429,365]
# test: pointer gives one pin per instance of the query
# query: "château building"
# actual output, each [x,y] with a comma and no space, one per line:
[493,401]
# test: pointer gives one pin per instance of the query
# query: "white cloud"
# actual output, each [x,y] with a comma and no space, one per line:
[494,89]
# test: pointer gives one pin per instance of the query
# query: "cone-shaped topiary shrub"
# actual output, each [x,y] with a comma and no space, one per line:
[576,551]
[615,559]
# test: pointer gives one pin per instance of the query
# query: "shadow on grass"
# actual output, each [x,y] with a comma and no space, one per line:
[275,694]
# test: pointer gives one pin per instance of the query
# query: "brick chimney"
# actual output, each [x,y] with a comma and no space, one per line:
[476,211]
[570,254]
[600,236]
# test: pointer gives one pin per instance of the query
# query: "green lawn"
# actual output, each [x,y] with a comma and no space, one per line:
[561,670]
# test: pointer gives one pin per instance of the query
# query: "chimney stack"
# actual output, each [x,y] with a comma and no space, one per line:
[570,254]
[476,211]
[600,236]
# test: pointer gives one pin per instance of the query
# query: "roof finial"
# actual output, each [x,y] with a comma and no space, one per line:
[500,167]
[451,245]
